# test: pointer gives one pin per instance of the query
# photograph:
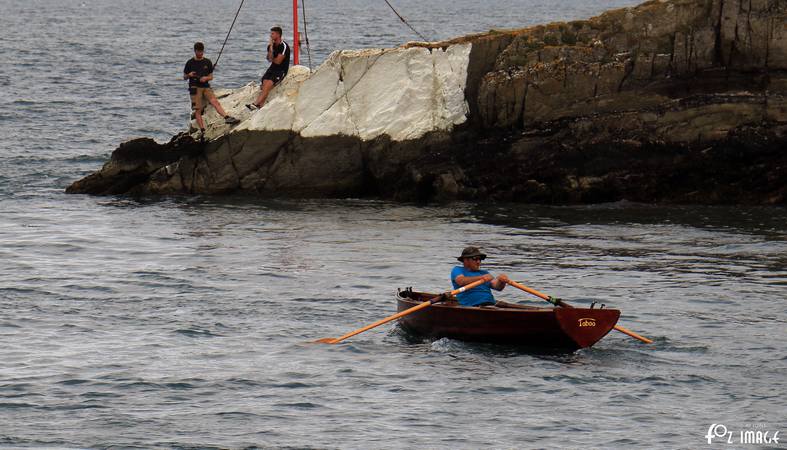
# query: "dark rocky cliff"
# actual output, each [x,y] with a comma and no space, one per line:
[671,101]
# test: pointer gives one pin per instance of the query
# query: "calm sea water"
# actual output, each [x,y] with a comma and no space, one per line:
[184,322]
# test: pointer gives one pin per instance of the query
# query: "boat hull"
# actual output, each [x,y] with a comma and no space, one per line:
[558,328]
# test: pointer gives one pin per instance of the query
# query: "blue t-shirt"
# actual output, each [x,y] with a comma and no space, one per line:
[477,295]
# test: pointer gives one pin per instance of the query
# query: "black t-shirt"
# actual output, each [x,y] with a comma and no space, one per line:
[203,67]
[278,50]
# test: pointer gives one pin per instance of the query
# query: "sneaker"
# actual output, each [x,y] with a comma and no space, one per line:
[252,106]
[231,120]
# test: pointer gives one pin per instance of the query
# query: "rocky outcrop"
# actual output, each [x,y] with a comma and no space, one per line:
[690,70]
[671,101]
[132,164]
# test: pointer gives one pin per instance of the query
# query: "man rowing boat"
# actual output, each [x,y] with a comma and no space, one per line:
[469,272]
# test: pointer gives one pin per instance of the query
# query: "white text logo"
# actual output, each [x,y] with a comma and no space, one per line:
[751,436]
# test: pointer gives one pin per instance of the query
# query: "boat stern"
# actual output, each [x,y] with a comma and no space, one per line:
[586,326]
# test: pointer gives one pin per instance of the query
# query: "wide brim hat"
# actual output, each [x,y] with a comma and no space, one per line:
[471,252]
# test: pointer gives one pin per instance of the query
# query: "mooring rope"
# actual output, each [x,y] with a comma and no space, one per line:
[405,22]
[306,34]
[228,34]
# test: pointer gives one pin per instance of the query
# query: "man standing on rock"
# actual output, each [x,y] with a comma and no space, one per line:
[279,57]
[199,72]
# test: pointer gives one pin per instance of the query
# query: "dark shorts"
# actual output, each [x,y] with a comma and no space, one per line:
[274,75]
[486,304]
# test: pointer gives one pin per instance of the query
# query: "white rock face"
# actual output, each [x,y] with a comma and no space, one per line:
[403,93]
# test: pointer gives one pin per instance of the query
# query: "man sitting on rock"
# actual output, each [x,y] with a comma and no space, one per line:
[279,57]
[470,272]
[199,72]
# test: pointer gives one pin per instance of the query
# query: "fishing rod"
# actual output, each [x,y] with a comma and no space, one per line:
[228,34]
[406,22]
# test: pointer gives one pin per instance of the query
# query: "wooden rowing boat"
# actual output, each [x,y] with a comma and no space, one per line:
[548,328]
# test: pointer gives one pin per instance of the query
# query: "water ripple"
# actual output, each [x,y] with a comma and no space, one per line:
[188,322]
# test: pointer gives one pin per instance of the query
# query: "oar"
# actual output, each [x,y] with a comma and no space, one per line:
[559,302]
[436,299]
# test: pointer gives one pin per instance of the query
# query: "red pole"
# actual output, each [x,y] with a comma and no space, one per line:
[295,44]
